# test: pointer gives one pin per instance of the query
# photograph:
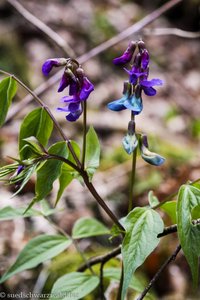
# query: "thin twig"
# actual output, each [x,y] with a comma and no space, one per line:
[171,31]
[167,262]
[117,251]
[95,51]
[101,286]
[57,39]
[101,259]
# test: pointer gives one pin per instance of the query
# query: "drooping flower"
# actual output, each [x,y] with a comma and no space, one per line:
[79,85]
[138,79]
[132,101]
[73,102]
[53,62]
[126,56]
[150,157]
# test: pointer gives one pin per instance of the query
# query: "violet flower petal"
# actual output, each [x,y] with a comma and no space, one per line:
[149,91]
[63,83]
[87,88]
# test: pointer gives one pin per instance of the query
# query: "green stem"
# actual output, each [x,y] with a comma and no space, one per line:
[120,284]
[132,180]
[84,133]
[132,177]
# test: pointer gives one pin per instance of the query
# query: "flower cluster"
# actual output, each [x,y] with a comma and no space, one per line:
[79,85]
[132,98]
[138,79]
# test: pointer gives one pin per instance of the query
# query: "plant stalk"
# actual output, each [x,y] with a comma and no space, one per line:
[84,133]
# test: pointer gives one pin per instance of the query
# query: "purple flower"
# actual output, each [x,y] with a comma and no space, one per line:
[147,86]
[73,102]
[126,56]
[53,62]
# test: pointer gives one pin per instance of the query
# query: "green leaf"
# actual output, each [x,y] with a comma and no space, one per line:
[92,154]
[38,250]
[73,286]
[64,180]
[38,124]
[153,200]
[50,171]
[189,234]
[170,208]
[195,213]
[142,227]
[34,145]
[86,227]
[10,213]
[8,89]
[115,274]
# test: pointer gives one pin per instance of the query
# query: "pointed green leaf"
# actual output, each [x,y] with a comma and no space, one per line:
[10,213]
[170,208]
[153,200]
[38,250]
[189,234]
[92,154]
[8,88]
[142,227]
[50,171]
[38,124]
[64,180]
[74,286]
[86,227]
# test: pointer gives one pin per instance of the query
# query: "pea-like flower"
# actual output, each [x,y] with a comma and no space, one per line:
[132,101]
[138,79]
[73,102]
[79,85]
[150,157]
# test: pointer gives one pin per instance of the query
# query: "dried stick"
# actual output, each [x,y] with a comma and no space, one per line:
[95,51]
[57,39]
[172,31]
[153,280]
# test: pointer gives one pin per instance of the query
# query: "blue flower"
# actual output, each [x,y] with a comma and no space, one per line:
[130,101]
[150,157]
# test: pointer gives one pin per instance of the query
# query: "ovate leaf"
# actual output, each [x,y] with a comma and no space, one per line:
[8,88]
[10,213]
[170,208]
[38,124]
[64,180]
[189,234]
[38,250]
[142,227]
[50,171]
[153,200]
[92,152]
[86,227]
[74,286]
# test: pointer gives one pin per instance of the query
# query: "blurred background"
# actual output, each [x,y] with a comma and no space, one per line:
[170,119]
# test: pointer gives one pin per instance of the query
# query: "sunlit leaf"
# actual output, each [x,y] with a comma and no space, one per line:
[142,227]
